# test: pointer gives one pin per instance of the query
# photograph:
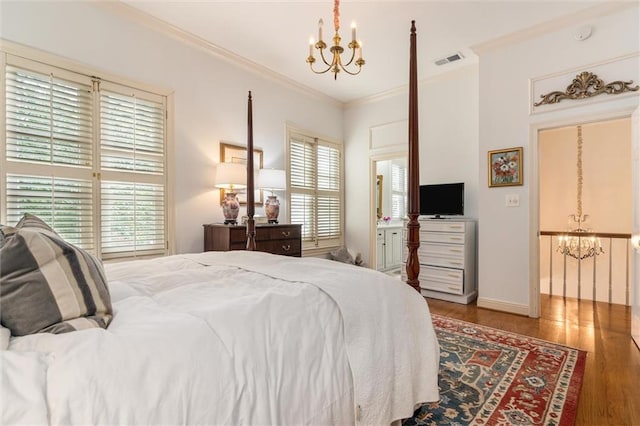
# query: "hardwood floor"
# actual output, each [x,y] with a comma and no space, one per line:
[610,392]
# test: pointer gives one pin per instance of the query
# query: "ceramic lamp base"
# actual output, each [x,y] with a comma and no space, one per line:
[272,208]
[230,208]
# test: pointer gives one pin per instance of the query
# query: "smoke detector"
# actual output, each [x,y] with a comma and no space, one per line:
[451,58]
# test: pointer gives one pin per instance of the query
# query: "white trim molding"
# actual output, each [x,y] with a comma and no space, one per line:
[499,305]
[605,8]
[128,12]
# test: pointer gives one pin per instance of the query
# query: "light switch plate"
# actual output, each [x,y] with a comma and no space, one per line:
[512,200]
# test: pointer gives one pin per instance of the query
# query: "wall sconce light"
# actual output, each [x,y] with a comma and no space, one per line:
[231,177]
[272,180]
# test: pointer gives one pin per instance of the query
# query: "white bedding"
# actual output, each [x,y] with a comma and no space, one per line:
[238,338]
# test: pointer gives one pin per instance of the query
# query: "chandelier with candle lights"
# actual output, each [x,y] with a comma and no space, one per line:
[336,64]
[578,243]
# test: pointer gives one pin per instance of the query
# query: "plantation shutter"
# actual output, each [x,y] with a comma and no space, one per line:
[398,191]
[48,154]
[316,190]
[48,118]
[87,156]
[65,204]
[132,169]
[302,176]
[328,192]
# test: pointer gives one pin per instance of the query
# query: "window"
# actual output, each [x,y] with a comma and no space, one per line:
[87,156]
[399,189]
[315,190]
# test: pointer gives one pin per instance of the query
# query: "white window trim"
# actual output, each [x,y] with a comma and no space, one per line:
[32,54]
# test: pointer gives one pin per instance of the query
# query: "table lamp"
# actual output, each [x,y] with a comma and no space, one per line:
[230,177]
[272,180]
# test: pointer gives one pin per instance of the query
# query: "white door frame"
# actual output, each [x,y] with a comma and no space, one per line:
[373,219]
[635,239]
[534,191]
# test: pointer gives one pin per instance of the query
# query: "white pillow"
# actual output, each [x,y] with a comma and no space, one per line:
[23,388]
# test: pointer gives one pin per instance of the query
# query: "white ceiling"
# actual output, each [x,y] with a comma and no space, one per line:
[275,35]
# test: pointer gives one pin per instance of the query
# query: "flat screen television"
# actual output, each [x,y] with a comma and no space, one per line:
[443,199]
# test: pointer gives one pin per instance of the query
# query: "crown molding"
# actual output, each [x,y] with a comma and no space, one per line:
[141,18]
[404,89]
[553,25]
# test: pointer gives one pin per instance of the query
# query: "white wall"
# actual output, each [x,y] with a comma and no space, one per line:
[448,135]
[210,95]
[506,244]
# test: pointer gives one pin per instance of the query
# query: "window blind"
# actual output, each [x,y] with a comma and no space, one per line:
[131,133]
[65,204]
[132,168]
[132,219]
[316,200]
[49,119]
[87,156]
[399,188]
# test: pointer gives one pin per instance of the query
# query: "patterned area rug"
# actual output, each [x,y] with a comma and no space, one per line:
[492,377]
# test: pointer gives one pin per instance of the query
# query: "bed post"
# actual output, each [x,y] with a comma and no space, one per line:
[251,226]
[413,226]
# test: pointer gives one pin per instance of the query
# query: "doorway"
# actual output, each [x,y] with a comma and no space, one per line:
[388,201]
[585,185]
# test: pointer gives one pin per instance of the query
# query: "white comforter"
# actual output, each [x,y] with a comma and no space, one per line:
[233,338]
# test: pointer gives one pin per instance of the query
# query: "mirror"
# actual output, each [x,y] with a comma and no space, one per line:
[238,154]
[379,196]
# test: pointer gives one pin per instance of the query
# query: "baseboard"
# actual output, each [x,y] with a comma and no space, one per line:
[498,305]
[465,299]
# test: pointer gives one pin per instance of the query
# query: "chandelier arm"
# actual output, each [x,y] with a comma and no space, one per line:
[319,72]
[352,73]
[353,55]
[324,59]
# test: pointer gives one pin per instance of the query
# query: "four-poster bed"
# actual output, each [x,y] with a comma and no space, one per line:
[237,337]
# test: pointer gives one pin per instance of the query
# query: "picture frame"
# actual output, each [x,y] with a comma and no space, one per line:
[231,153]
[505,167]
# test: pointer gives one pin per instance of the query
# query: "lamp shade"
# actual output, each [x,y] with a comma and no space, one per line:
[231,176]
[272,179]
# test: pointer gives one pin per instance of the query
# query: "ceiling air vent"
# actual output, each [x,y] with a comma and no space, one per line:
[450,58]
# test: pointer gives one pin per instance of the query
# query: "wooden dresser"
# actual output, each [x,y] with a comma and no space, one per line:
[271,238]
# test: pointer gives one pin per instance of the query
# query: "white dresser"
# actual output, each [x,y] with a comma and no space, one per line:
[447,256]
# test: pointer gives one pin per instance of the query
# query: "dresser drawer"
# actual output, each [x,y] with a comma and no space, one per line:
[443,225]
[267,233]
[238,235]
[286,247]
[441,237]
[442,279]
[447,255]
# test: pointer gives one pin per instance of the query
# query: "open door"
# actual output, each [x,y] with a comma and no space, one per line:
[635,283]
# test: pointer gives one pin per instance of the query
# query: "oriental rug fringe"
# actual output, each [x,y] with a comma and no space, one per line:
[493,377]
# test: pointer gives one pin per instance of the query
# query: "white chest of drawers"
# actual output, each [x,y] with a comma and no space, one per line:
[447,255]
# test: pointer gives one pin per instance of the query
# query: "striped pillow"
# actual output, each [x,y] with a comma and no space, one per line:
[47,284]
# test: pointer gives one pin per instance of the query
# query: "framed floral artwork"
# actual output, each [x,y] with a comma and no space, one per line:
[505,167]
[230,153]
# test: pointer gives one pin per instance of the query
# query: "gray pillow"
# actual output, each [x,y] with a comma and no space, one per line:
[342,255]
[48,284]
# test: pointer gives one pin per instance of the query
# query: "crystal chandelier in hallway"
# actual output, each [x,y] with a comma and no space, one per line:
[579,242]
